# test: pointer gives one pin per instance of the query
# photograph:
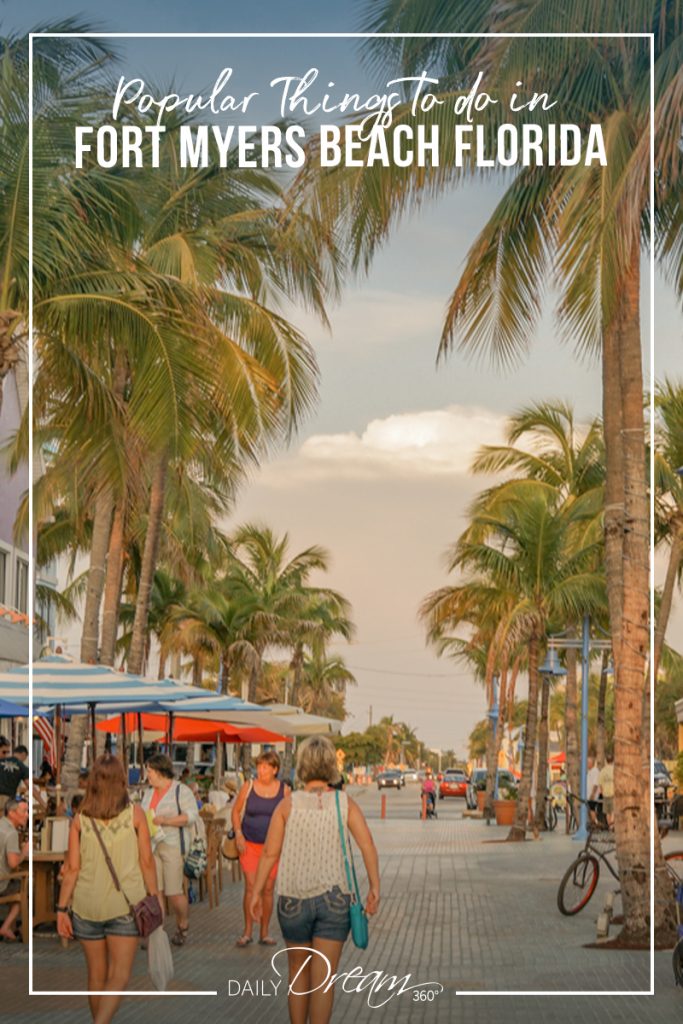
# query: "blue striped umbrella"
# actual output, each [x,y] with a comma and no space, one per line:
[58,679]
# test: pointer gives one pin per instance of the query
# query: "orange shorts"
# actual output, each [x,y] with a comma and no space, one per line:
[250,858]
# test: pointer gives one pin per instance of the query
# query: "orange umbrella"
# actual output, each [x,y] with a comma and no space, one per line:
[197,729]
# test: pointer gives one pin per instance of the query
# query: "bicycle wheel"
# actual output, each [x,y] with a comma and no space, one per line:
[678,962]
[551,817]
[578,884]
[675,861]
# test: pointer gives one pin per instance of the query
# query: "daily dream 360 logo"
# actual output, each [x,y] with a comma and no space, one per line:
[381,988]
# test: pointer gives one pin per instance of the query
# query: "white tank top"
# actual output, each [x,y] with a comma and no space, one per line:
[311,861]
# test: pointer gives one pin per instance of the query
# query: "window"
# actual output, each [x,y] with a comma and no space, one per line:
[21,586]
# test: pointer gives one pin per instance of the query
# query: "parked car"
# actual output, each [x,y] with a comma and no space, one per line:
[453,783]
[410,775]
[390,780]
[505,778]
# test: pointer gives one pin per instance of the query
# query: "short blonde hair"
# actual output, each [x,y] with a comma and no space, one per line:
[316,759]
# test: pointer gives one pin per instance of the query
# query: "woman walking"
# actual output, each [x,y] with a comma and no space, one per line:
[171,811]
[101,918]
[313,888]
[251,817]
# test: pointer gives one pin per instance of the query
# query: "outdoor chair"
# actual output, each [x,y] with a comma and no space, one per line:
[212,879]
[20,897]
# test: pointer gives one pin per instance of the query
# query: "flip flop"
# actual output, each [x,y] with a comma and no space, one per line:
[8,938]
[267,940]
[245,940]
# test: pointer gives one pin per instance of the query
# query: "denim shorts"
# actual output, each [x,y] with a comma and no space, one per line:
[319,917]
[93,930]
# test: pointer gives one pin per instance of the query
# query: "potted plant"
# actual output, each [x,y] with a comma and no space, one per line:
[505,807]
[480,789]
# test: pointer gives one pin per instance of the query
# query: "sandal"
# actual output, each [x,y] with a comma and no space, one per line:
[245,940]
[180,936]
[267,940]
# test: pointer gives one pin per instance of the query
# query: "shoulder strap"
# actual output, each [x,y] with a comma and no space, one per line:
[244,805]
[112,870]
[353,886]
[182,831]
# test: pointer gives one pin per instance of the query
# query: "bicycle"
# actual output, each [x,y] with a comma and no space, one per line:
[580,880]
[674,865]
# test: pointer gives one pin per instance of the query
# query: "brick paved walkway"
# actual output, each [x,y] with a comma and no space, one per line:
[458,908]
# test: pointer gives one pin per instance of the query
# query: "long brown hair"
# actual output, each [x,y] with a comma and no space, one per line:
[106,792]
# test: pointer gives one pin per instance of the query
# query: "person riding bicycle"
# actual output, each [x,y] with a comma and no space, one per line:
[429,788]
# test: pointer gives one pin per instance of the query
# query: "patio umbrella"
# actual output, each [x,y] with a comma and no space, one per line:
[281,718]
[10,710]
[60,680]
[188,729]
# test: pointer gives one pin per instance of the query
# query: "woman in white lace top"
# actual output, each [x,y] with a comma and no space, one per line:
[313,891]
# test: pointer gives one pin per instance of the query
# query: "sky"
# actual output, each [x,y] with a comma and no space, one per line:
[378,473]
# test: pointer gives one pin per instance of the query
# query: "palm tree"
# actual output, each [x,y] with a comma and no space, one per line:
[580,227]
[272,592]
[323,686]
[668,458]
[67,73]
[543,442]
[540,555]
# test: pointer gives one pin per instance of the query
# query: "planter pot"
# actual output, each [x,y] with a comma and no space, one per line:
[481,799]
[505,811]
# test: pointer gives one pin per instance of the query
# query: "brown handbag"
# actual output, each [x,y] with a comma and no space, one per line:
[147,913]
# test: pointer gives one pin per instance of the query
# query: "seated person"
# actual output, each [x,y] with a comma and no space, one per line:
[13,774]
[12,854]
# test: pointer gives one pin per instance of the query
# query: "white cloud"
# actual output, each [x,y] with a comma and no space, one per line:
[433,442]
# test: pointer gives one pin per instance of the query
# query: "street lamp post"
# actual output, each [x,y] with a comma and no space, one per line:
[585,644]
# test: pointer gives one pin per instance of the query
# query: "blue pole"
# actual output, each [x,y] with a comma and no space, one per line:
[494,714]
[582,830]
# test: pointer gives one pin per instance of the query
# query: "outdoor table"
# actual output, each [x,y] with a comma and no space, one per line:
[45,865]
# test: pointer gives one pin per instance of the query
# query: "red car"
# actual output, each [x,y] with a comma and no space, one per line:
[454,783]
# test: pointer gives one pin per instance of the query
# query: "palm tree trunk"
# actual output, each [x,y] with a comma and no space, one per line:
[112,587]
[101,530]
[254,677]
[518,830]
[628,596]
[225,675]
[157,495]
[666,602]
[296,665]
[542,776]
[78,726]
[571,724]
[600,731]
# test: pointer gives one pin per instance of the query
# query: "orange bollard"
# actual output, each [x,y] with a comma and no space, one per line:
[424,807]
[383,811]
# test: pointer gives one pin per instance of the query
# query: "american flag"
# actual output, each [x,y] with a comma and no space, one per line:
[46,732]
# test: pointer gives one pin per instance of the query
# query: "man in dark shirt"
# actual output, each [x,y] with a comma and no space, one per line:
[13,775]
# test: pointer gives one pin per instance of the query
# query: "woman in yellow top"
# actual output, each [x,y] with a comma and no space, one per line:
[100,915]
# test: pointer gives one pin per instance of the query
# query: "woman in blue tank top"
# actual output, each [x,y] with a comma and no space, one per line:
[250,819]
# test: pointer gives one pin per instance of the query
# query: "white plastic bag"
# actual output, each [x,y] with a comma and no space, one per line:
[159,959]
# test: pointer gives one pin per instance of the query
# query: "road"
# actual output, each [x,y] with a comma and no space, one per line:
[460,908]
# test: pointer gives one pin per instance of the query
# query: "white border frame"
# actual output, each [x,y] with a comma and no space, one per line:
[355,35]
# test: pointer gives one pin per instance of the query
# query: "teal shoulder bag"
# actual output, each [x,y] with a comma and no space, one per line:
[359,919]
